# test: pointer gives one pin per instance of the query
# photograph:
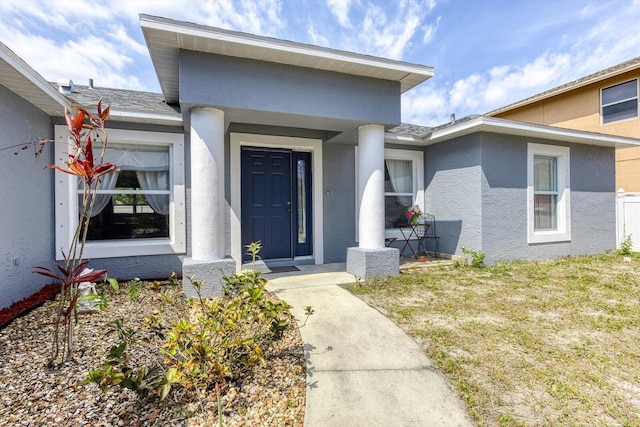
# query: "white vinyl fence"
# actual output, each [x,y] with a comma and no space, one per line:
[628,218]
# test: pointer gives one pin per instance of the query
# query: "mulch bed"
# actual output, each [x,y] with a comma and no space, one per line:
[7,314]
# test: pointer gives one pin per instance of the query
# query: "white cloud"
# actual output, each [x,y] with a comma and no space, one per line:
[316,39]
[613,39]
[103,41]
[340,9]
[382,28]
[429,31]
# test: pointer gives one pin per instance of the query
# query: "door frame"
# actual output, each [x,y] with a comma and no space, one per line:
[314,146]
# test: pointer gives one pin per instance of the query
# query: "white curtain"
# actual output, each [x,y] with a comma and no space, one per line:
[107,182]
[400,175]
[401,181]
[155,180]
[152,169]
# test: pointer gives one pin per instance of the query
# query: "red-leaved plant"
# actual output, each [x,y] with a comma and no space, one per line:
[85,128]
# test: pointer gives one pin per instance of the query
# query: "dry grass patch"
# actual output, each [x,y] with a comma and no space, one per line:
[528,343]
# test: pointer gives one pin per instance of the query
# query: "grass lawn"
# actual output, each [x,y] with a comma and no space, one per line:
[528,343]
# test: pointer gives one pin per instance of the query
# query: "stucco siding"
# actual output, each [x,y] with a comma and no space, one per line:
[143,267]
[339,201]
[299,97]
[453,193]
[26,235]
[504,201]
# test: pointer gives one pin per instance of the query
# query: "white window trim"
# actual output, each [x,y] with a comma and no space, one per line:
[637,98]
[417,160]
[563,231]
[66,211]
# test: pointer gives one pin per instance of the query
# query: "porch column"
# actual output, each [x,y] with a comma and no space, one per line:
[371,258]
[207,183]
[207,261]
[371,186]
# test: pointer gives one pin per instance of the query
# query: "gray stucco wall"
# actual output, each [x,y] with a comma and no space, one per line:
[477,188]
[504,200]
[340,202]
[453,192]
[266,93]
[26,194]
[143,267]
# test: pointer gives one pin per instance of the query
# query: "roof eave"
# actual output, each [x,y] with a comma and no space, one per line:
[412,74]
[34,81]
[149,118]
[512,127]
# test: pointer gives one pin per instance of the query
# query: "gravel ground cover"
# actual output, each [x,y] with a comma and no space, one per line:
[32,395]
[552,343]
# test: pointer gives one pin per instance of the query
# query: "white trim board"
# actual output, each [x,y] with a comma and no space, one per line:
[314,146]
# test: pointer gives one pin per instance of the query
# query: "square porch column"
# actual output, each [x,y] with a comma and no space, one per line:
[207,261]
[371,258]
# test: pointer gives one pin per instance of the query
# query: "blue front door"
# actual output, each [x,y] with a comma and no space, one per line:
[267,201]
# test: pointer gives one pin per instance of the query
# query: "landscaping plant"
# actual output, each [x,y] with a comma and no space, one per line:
[85,129]
[626,246]
[214,340]
[477,257]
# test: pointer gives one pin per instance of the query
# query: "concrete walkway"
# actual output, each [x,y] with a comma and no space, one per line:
[362,369]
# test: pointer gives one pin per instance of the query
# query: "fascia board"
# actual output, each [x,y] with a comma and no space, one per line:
[175,119]
[402,139]
[287,46]
[32,76]
[511,127]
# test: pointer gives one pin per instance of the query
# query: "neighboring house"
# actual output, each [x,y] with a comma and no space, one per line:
[298,146]
[603,102]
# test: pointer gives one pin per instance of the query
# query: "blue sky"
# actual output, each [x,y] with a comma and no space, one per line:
[486,53]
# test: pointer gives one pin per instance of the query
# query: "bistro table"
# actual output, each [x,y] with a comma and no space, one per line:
[415,231]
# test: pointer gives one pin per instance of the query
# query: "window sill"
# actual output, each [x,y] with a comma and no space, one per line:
[549,237]
[125,248]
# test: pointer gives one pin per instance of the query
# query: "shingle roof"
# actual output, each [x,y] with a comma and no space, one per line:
[122,100]
[416,131]
[621,68]
[405,129]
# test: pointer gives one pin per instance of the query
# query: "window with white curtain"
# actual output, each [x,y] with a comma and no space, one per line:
[132,202]
[398,191]
[403,186]
[548,193]
[140,209]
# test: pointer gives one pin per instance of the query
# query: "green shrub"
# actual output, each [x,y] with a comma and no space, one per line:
[626,246]
[477,257]
[210,344]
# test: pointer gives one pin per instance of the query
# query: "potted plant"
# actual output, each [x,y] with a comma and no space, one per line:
[413,214]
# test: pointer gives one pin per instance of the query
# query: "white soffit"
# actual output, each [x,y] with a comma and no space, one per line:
[512,127]
[165,37]
[17,76]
